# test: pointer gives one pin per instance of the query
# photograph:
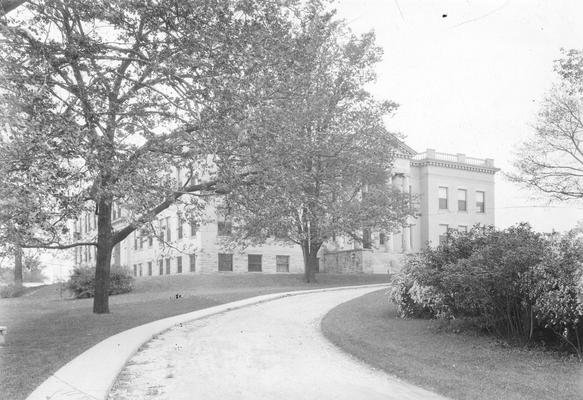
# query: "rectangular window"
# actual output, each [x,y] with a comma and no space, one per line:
[192,229]
[254,262]
[382,238]
[135,270]
[161,228]
[140,269]
[150,240]
[224,223]
[180,223]
[192,263]
[161,267]
[366,241]
[179,264]
[480,202]
[225,262]
[463,228]
[141,242]
[168,230]
[282,263]
[443,233]
[462,200]
[442,198]
[167,266]
[149,268]
[135,241]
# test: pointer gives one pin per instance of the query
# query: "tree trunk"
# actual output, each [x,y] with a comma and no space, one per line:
[103,258]
[18,265]
[310,261]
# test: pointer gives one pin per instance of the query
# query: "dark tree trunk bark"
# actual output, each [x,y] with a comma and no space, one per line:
[310,253]
[103,258]
[18,265]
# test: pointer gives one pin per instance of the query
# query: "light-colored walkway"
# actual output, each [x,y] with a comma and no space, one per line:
[272,350]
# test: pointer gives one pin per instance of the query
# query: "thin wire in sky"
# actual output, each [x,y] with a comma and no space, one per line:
[399,8]
[483,16]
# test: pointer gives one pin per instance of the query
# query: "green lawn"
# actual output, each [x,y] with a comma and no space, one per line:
[460,366]
[46,330]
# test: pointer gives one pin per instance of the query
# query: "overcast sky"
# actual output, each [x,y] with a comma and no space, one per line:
[469,76]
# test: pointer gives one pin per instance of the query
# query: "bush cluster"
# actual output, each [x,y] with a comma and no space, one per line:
[515,283]
[11,290]
[82,281]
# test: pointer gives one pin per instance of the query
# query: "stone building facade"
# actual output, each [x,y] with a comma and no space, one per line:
[451,192]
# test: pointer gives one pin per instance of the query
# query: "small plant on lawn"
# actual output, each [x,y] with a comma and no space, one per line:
[11,290]
[514,283]
[82,281]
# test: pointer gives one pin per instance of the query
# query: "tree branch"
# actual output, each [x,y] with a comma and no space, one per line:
[56,246]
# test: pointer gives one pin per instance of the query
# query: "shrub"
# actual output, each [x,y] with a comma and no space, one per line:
[82,281]
[11,290]
[401,292]
[514,283]
[554,288]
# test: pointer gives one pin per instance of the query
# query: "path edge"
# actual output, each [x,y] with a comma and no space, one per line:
[91,375]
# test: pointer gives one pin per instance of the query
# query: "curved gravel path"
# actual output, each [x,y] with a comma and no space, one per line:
[272,350]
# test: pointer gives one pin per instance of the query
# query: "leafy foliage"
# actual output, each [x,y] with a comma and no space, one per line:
[82,281]
[515,283]
[104,100]
[321,150]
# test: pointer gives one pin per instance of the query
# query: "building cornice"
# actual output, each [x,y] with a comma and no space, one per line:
[455,165]
[402,150]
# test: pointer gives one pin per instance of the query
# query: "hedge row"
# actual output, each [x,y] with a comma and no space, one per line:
[514,283]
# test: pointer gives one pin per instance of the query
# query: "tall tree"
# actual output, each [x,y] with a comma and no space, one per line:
[551,162]
[322,150]
[105,96]
[21,210]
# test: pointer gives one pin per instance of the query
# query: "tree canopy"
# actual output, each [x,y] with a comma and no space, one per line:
[323,153]
[102,101]
[101,98]
[551,162]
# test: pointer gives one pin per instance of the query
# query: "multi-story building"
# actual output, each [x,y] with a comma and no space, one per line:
[451,192]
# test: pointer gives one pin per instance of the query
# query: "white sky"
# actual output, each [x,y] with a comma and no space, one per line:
[472,82]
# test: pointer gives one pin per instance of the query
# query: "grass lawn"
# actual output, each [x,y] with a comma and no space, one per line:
[46,329]
[460,366]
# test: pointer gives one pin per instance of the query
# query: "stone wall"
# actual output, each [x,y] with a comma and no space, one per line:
[360,261]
